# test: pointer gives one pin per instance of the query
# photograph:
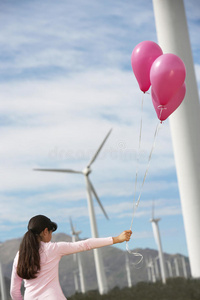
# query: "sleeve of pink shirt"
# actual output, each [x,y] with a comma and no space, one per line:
[80,246]
[16,282]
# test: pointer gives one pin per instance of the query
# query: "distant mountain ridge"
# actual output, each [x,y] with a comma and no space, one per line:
[114,263]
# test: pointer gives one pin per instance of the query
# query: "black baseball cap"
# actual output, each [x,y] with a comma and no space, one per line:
[38,223]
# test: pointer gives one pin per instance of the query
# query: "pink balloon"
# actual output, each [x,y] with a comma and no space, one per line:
[167,75]
[142,58]
[164,111]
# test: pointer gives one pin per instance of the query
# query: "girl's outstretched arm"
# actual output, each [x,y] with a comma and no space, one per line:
[66,248]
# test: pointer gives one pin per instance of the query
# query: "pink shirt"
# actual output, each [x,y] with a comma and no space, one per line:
[46,285]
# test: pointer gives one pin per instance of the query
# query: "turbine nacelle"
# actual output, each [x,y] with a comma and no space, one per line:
[155,220]
[86,171]
[73,230]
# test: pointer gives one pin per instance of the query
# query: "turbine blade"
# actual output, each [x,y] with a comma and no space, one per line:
[72,227]
[97,198]
[153,210]
[59,170]
[99,149]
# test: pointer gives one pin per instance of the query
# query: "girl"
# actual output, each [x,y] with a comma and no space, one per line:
[38,258]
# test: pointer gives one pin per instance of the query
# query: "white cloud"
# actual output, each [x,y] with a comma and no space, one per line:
[78,39]
[62,125]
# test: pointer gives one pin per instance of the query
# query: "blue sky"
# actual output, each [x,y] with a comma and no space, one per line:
[65,80]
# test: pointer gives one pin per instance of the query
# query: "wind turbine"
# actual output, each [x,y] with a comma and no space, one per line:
[158,242]
[101,278]
[75,237]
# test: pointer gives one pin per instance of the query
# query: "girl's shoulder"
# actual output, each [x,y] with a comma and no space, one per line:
[49,245]
[48,251]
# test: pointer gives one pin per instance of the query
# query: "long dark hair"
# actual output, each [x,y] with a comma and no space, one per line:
[29,256]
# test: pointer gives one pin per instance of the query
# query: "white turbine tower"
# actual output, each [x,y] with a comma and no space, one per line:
[128,272]
[156,232]
[156,267]
[173,37]
[151,266]
[148,270]
[101,278]
[184,267]
[169,268]
[176,267]
[2,284]
[77,257]
[75,272]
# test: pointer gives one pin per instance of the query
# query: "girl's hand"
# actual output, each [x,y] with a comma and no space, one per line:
[124,236]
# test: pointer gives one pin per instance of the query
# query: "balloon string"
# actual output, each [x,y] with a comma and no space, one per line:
[135,205]
[137,254]
[136,177]
[137,160]
[149,160]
